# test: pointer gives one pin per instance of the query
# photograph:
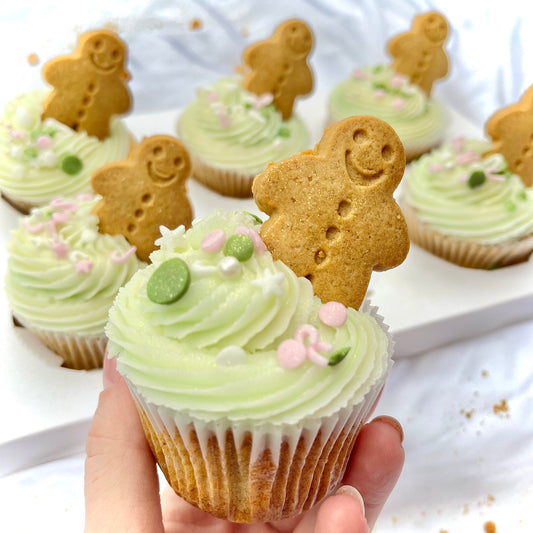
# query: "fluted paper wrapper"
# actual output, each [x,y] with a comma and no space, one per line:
[250,471]
[463,252]
[78,352]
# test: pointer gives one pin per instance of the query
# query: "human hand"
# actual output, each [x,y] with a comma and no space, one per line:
[122,486]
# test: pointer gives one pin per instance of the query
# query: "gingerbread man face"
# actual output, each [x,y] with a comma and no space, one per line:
[166,160]
[332,215]
[143,192]
[105,51]
[297,37]
[511,130]
[433,26]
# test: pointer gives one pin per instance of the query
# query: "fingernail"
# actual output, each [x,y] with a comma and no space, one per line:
[392,422]
[353,492]
[110,376]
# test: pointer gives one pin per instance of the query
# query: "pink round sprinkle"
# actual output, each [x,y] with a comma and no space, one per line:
[84,197]
[359,74]
[223,119]
[396,81]
[398,104]
[457,144]
[333,314]
[17,134]
[259,245]
[44,142]
[212,97]
[213,241]
[291,353]
[436,167]
[60,217]
[379,93]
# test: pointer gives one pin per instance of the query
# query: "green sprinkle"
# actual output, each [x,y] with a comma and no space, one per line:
[338,356]
[380,85]
[284,132]
[522,195]
[31,152]
[476,179]
[169,282]
[35,134]
[247,105]
[239,246]
[71,165]
[378,68]
[255,217]
[510,205]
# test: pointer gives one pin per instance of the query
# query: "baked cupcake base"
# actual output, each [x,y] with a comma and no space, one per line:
[466,253]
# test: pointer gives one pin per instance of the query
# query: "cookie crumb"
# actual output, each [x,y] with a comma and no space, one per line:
[467,414]
[111,26]
[501,409]
[33,59]
[490,527]
[196,24]
[484,374]
[443,531]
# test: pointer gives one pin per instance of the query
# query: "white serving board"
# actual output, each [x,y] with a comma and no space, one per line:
[426,301]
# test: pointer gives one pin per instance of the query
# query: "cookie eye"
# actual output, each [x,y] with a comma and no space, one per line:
[158,152]
[98,44]
[387,153]
[178,162]
[360,136]
[115,54]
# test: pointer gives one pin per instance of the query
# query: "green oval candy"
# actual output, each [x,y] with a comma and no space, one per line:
[239,246]
[476,179]
[338,356]
[71,165]
[169,282]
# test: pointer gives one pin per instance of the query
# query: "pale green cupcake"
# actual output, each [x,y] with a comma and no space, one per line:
[468,209]
[250,390]
[233,134]
[62,276]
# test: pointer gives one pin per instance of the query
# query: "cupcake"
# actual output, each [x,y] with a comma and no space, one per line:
[239,124]
[243,425]
[62,276]
[250,386]
[52,140]
[468,208]
[400,93]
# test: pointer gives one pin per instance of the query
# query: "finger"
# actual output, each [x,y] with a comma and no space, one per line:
[376,464]
[121,484]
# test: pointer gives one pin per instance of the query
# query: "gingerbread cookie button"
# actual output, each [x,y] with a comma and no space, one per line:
[143,192]
[89,86]
[511,130]
[419,53]
[333,218]
[279,65]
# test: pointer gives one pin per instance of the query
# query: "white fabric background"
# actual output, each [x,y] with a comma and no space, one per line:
[460,470]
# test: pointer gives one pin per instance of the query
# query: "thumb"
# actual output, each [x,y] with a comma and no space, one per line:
[121,483]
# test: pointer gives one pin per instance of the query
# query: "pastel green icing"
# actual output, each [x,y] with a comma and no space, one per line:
[223,128]
[35,175]
[169,352]
[499,210]
[379,91]
[43,288]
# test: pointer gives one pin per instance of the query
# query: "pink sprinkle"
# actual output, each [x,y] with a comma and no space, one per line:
[17,134]
[398,104]
[458,144]
[379,93]
[117,258]
[33,229]
[359,74]
[83,266]
[494,177]
[61,203]
[60,217]
[333,314]
[306,331]
[436,167]
[84,197]
[213,241]
[212,97]
[263,100]
[315,357]
[291,353]
[61,249]
[259,245]
[44,142]
[396,81]
[223,118]
[467,157]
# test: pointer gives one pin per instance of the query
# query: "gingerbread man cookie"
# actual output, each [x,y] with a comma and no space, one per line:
[511,130]
[89,86]
[278,65]
[143,192]
[419,53]
[333,218]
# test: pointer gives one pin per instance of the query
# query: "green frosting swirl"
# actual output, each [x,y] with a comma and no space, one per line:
[231,128]
[61,275]
[40,160]
[445,188]
[379,91]
[213,353]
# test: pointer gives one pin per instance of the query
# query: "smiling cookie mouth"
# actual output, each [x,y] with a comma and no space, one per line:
[106,67]
[157,175]
[355,170]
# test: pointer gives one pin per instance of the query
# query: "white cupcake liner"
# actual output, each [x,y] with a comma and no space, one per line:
[463,252]
[253,471]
